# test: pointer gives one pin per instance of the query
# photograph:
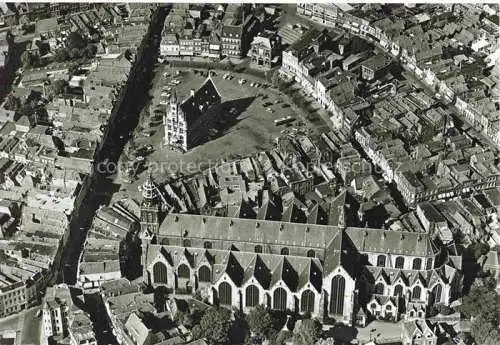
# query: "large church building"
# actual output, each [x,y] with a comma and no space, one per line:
[331,272]
[186,122]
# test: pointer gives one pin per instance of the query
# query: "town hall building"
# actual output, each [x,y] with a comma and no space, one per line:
[186,122]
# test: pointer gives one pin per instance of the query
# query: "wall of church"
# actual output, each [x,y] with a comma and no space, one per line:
[408,261]
[349,295]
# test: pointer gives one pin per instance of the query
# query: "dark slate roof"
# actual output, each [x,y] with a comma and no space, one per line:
[205,97]
[286,272]
[259,270]
[311,273]
[234,269]
[247,230]
[428,278]
[384,241]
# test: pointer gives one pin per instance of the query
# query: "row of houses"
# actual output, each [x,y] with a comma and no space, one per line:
[217,32]
[417,59]
[46,160]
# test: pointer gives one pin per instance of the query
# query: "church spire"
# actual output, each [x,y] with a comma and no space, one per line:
[149,188]
[150,207]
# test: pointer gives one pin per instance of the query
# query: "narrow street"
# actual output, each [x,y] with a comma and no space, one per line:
[8,72]
[101,188]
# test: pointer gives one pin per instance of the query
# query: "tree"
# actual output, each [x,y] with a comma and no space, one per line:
[260,321]
[478,249]
[184,318]
[327,341]
[306,332]
[62,55]
[27,59]
[485,332]
[90,51]
[75,53]
[239,327]
[443,309]
[76,41]
[73,69]
[279,338]
[160,298]
[483,304]
[13,103]
[214,326]
[482,300]
[57,87]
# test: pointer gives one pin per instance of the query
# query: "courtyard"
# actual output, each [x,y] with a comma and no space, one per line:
[248,113]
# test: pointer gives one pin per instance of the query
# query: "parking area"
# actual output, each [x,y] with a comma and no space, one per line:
[248,113]
[28,323]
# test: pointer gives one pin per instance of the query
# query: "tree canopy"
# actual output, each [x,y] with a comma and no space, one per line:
[214,326]
[260,322]
[76,41]
[57,87]
[306,332]
[483,304]
[28,59]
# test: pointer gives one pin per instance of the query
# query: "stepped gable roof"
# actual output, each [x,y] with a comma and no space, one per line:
[448,273]
[392,242]
[417,276]
[417,327]
[258,270]
[434,277]
[285,272]
[335,209]
[202,99]
[312,215]
[198,257]
[382,299]
[166,255]
[234,269]
[333,255]
[416,306]
[455,261]
[394,276]
[311,273]
[247,230]
[294,212]
[428,277]
[261,214]
[380,272]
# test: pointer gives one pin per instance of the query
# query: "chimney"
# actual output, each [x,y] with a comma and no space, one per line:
[191,92]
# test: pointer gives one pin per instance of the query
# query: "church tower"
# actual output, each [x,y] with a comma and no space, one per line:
[150,208]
